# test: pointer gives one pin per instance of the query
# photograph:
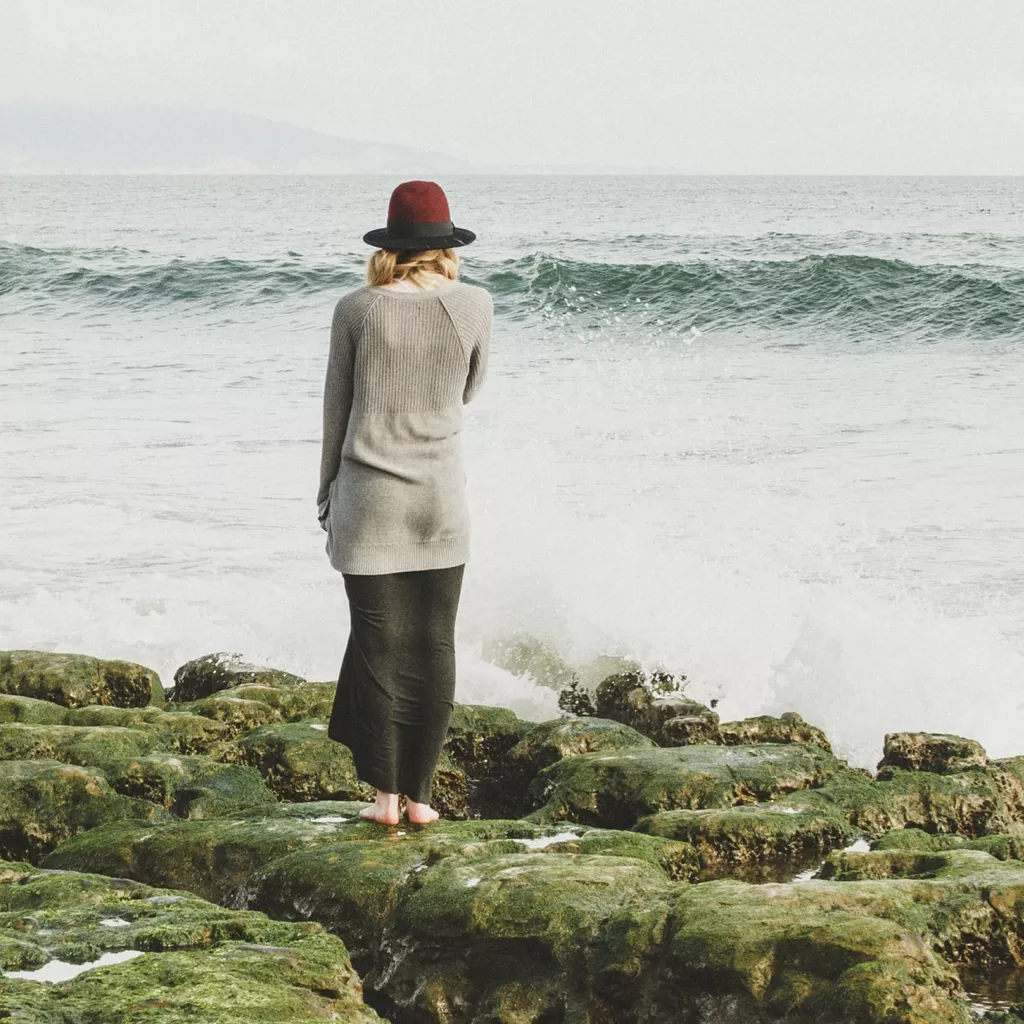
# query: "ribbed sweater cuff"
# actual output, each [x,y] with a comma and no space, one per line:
[374,559]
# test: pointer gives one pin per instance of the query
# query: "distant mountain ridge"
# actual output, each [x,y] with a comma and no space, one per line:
[52,139]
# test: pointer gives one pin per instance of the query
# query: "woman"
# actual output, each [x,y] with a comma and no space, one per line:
[408,350]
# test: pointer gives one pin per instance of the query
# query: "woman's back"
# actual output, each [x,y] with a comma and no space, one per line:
[401,366]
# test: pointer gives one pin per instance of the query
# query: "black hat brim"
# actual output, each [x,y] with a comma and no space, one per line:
[379,237]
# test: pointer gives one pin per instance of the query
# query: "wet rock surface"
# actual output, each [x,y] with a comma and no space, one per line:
[587,870]
[115,950]
[931,752]
[215,672]
[75,680]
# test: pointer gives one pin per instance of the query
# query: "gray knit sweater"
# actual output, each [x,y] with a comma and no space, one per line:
[392,484]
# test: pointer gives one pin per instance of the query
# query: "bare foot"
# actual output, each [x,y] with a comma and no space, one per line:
[420,814]
[384,811]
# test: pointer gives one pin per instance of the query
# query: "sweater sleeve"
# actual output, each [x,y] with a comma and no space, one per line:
[337,402]
[480,353]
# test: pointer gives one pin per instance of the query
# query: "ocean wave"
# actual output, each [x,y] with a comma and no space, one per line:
[135,280]
[851,295]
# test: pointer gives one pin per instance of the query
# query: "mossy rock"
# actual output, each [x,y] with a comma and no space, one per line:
[615,790]
[743,837]
[292,702]
[466,918]
[821,951]
[199,961]
[788,728]
[73,744]
[1002,847]
[190,786]
[671,720]
[352,888]
[75,680]
[217,857]
[680,861]
[30,710]
[305,982]
[212,857]
[970,803]
[238,714]
[43,803]
[211,673]
[556,930]
[251,705]
[479,736]
[546,742]
[931,752]
[300,762]
[184,734]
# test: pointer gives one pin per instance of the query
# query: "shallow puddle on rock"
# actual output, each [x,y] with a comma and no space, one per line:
[539,842]
[993,988]
[59,970]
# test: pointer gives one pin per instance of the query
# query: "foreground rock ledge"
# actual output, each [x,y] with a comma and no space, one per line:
[187,959]
[563,894]
[512,920]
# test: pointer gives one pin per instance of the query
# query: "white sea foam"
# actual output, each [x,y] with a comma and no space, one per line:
[796,524]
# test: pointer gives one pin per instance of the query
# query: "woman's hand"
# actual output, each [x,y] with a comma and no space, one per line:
[323,513]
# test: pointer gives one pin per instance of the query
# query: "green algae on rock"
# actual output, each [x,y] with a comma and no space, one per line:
[191,786]
[75,680]
[972,803]
[479,736]
[546,742]
[300,762]
[200,961]
[931,752]
[679,860]
[616,789]
[31,710]
[568,925]
[73,744]
[787,728]
[1002,847]
[286,703]
[238,714]
[212,857]
[819,952]
[43,803]
[732,839]
[631,698]
[460,919]
[211,673]
[185,734]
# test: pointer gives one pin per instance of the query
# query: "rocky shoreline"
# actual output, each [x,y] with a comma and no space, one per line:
[197,855]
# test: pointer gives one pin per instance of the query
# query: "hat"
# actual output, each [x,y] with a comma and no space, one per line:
[418,219]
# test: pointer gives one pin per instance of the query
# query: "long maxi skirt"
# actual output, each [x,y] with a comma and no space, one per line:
[396,688]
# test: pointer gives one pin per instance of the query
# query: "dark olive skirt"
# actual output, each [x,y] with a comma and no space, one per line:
[396,688]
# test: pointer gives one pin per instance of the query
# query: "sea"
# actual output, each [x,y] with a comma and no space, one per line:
[764,433]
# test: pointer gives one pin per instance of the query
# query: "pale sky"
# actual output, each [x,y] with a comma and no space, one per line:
[716,86]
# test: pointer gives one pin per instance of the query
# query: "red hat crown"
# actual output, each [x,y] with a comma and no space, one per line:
[418,202]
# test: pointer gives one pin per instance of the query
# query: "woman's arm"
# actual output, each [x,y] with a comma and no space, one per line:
[337,405]
[480,353]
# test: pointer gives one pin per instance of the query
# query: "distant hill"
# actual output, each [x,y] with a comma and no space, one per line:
[125,140]
[49,139]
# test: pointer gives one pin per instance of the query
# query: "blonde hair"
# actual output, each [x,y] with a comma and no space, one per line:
[387,265]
